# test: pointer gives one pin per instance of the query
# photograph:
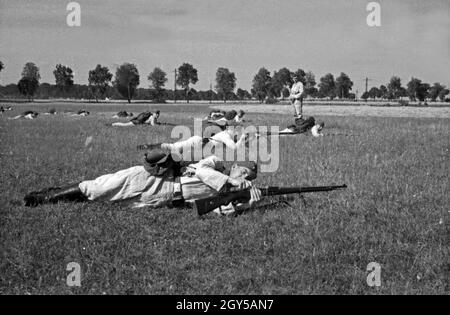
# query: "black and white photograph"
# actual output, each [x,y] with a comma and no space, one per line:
[229,155]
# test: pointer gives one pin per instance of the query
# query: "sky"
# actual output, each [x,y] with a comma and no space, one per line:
[322,36]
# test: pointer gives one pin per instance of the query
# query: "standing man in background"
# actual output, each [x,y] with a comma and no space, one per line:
[296,96]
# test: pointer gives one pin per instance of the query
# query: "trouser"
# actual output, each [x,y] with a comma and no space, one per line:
[180,146]
[29,116]
[134,185]
[190,149]
[298,107]
[122,124]
[287,131]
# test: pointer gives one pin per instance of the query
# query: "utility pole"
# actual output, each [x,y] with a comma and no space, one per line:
[367,86]
[175,87]
[367,83]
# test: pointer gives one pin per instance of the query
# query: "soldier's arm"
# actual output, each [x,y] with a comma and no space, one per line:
[214,179]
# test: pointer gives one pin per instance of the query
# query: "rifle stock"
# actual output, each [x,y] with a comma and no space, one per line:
[206,205]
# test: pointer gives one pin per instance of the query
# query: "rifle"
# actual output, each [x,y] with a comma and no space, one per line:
[206,205]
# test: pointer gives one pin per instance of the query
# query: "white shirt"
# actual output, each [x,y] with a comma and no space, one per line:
[152,120]
[296,91]
[203,179]
[208,181]
[316,131]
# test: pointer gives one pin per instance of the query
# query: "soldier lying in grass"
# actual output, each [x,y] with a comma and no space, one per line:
[304,125]
[227,137]
[123,114]
[29,114]
[142,119]
[160,182]
[230,116]
[4,109]
[82,113]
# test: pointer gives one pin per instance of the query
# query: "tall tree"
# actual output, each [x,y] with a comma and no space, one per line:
[30,70]
[127,79]
[285,92]
[301,74]
[225,82]
[383,92]
[365,96]
[417,90]
[261,84]
[443,94]
[99,80]
[394,87]
[28,87]
[327,86]
[158,79]
[281,80]
[240,94]
[187,75]
[374,92]
[29,82]
[243,94]
[310,84]
[63,77]
[343,85]
[424,92]
[435,90]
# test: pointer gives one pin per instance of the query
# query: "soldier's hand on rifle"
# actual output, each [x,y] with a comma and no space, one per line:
[255,194]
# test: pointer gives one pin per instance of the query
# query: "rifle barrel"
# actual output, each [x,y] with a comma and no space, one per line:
[206,205]
[273,191]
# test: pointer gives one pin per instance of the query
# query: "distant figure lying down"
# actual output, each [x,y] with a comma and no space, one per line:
[141,119]
[29,114]
[228,138]
[303,125]
[315,130]
[216,114]
[123,114]
[50,112]
[4,109]
[230,116]
[82,113]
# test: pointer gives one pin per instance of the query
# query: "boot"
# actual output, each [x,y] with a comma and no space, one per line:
[54,195]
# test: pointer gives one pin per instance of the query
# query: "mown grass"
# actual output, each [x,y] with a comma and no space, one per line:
[395,212]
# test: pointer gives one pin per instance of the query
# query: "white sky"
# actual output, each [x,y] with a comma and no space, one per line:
[243,35]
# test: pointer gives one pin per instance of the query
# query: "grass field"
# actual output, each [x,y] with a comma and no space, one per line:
[395,212]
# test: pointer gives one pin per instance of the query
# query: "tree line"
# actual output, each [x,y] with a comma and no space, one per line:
[266,87]
[415,90]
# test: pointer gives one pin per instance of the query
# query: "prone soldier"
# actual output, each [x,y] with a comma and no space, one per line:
[142,119]
[159,183]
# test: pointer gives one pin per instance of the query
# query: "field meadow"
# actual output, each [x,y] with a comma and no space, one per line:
[395,211]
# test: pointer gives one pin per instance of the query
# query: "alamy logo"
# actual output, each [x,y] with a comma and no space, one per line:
[74,277]
[374,17]
[374,277]
[74,17]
